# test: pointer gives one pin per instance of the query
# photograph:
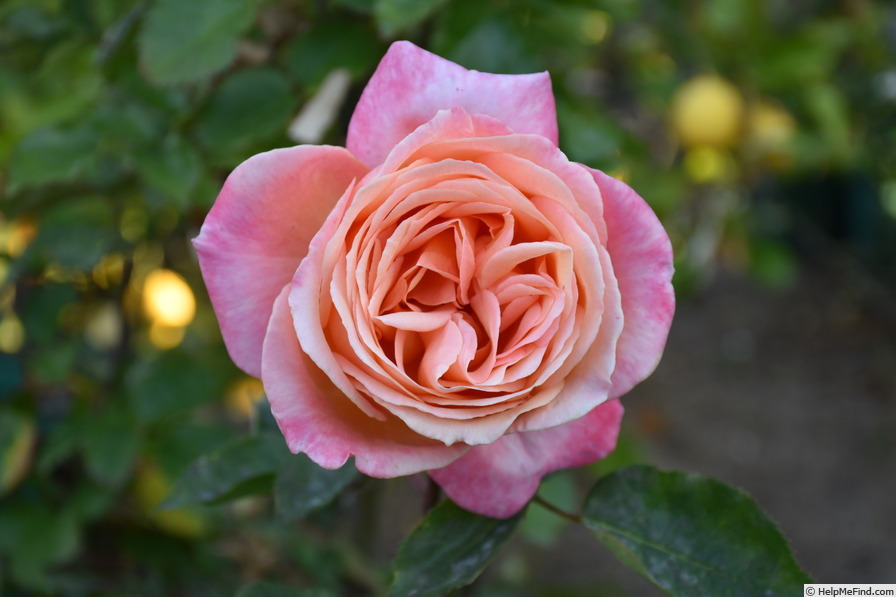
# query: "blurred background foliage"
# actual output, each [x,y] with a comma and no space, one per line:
[758,131]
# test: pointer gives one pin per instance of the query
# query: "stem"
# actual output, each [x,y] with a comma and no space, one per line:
[561,513]
[431,495]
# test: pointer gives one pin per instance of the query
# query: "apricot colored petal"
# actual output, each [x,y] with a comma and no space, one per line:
[320,421]
[411,85]
[642,260]
[258,231]
[499,479]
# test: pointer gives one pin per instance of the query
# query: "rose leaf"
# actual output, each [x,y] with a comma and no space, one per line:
[691,535]
[186,41]
[269,589]
[302,487]
[447,550]
[240,468]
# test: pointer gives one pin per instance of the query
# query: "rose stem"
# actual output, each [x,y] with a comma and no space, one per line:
[431,495]
[561,513]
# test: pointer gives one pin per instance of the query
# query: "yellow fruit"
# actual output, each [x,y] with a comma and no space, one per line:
[17,453]
[151,487]
[771,130]
[708,164]
[12,333]
[708,111]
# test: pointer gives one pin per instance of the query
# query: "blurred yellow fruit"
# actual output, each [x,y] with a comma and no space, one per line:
[17,451]
[771,129]
[596,26]
[12,333]
[708,111]
[151,487]
[708,164]
[16,235]
[242,396]
[167,298]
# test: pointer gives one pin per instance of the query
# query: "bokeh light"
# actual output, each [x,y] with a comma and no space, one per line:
[167,299]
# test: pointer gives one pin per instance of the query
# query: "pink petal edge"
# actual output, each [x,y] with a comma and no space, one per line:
[642,260]
[258,231]
[316,418]
[411,85]
[499,479]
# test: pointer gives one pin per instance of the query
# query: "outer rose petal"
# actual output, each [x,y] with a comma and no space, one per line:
[499,479]
[258,231]
[317,419]
[411,85]
[642,260]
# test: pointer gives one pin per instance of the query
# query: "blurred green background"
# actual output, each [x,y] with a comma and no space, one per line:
[762,133]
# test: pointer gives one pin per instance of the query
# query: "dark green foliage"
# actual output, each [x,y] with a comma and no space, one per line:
[449,549]
[691,535]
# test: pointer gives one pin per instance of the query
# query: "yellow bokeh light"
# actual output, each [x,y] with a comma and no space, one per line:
[109,271]
[15,236]
[151,487]
[104,327]
[242,396]
[167,299]
[165,337]
[596,26]
[619,174]
[12,334]
[19,454]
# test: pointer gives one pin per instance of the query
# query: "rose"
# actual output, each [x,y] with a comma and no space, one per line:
[448,294]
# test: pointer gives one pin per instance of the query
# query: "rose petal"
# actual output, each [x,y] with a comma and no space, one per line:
[499,479]
[258,231]
[642,259]
[410,85]
[319,420]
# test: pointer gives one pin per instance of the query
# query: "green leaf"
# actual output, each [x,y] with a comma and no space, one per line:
[302,486]
[10,375]
[393,16]
[270,589]
[34,537]
[186,41]
[52,155]
[448,549]
[111,444]
[172,166]
[77,233]
[691,535]
[217,476]
[249,106]
[175,444]
[172,382]
[330,44]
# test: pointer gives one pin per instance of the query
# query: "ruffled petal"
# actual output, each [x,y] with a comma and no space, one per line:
[642,260]
[258,231]
[499,479]
[411,85]
[316,418]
